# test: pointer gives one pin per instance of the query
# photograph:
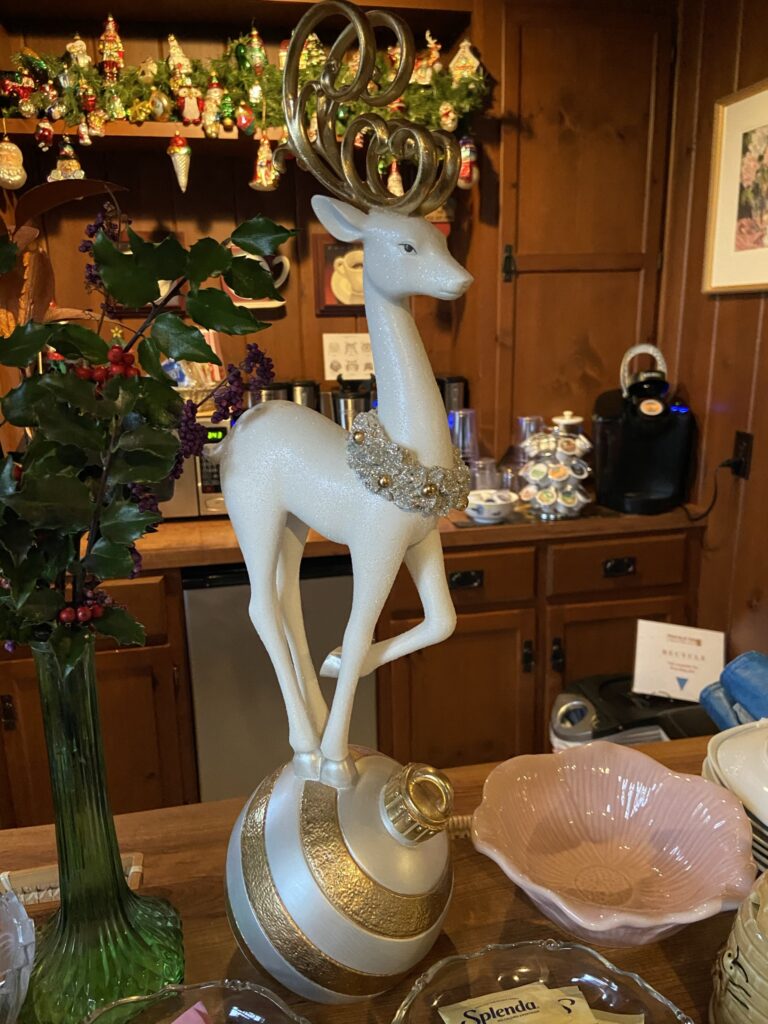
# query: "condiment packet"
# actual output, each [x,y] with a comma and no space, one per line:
[196,1014]
[534,1004]
[608,1017]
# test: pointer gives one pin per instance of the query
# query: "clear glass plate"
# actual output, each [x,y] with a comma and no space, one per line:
[224,1001]
[556,964]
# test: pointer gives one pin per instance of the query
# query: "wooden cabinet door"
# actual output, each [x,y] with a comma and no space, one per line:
[138,717]
[468,699]
[598,637]
[584,129]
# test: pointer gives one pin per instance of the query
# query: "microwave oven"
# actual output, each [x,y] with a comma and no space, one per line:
[198,490]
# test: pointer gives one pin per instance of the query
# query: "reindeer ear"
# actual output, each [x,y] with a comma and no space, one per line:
[339,219]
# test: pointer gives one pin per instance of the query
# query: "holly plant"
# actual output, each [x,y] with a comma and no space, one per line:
[107,430]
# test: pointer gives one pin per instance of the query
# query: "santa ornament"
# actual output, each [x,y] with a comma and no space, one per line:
[67,165]
[211,105]
[44,134]
[180,154]
[12,173]
[111,53]
[265,174]
[189,103]
[469,172]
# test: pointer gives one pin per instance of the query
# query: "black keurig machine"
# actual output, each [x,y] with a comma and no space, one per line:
[644,441]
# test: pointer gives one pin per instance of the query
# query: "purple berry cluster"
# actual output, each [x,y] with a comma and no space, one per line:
[145,499]
[134,553]
[110,221]
[229,398]
[259,365]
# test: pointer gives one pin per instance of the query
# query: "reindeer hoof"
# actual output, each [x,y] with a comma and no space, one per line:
[332,664]
[339,774]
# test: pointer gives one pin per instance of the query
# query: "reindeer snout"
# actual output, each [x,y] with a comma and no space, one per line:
[463,280]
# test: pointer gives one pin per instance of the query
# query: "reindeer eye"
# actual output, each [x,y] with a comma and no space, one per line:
[407,247]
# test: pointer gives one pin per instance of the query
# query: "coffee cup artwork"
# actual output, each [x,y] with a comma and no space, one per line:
[347,278]
[279,266]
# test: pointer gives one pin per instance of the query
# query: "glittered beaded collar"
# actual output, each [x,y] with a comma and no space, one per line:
[394,472]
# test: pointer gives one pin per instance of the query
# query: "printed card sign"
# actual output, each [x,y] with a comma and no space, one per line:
[533,1003]
[348,355]
[676,661]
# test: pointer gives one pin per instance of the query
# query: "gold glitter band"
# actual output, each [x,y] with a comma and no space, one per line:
[282,931]
[350,889]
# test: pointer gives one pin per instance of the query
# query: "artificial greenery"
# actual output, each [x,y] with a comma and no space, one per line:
[104,435]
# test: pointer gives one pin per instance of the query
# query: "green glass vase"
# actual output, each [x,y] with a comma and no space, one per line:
[105,941]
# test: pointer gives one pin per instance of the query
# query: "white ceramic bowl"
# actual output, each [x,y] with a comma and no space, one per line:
[611,845]
[739,757]
[490,506]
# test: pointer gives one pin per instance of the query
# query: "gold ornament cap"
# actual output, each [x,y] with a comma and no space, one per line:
[418,801]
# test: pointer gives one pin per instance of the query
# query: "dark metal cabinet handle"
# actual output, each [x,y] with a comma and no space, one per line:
[7,712]
[557,657]
[613,568]
[466,579]
[528,656]
[508,265]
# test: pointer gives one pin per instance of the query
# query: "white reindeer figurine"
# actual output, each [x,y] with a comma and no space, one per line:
[338,869]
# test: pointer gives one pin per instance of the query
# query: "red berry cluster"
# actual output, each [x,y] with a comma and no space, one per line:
[94,604]
[121,364]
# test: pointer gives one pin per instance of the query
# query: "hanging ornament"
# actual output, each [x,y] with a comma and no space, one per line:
[393,56]
[449,119]
[67,164]
[227,111]
[111,53]
[140,111]
[189,103]
[359,140]
[426,62]
[54,108]
[180,154]
[97,123]
[83,135]
[255,94]
[113,106]
[86,97]
[78,53]
[312,53]
[342,117]
[211,106]
[245,119]
[468,169]
[394,180]
[179,65]
[147,71]
[312,129]
[257,54]
[282,54]
[12,173]
[44,134]
[160,106]
[33,63]
[265,174]
[397,106]
[464,64]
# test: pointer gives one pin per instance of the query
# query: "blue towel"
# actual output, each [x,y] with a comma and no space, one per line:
[746,682]
[714,700]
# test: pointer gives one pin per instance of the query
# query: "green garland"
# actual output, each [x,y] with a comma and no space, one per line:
[422,102]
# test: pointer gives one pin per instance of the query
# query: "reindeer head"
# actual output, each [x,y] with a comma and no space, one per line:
[409,256]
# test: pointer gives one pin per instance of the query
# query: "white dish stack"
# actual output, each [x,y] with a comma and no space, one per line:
[738,760]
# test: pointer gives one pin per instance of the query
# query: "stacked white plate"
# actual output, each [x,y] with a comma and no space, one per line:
[738,760]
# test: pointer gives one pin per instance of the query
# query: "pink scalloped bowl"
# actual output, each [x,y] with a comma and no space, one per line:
[611,845]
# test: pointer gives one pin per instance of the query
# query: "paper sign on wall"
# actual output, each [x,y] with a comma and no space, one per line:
[676,661]
[347,354]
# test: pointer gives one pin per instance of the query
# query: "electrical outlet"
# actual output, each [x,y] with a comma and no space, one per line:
[742,454]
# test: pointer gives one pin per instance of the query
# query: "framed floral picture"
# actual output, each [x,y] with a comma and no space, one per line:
[736,257]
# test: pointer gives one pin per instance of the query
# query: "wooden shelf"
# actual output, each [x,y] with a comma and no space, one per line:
[148,130]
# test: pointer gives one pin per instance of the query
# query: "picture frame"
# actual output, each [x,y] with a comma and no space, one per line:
[338,275]
[736,249]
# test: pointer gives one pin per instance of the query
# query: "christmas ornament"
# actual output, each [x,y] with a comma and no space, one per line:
[282,54]
[86,96]
[265,174]
[211,106]
[464,64]
[111,51]
[67,164]
[227,111]
[83,135]
[44,134]
[427,61]
[34,63]
[312,127]
[448,117]
[54,108]
[312,53]
[179,65]
[394,180]
[97,123]
[257,55]
[12,173]
[20,85]
[160,106]
[78,52]
[189,103]
[255,94]
[397,106]
[245,119]
[113,106]
[180,154]
[468,169]
[140,111]
[147,71]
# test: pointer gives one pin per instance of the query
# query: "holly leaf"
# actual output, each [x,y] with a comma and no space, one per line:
[160,403]
[8,253]
[179,341]
[19,405]
[124,392]
[17,538]
[165,260]
[213,308]
[61,423]
[108,560]
[207,258]
[139,468]
[23,577]
[121,626]
[77,342]
[53,502]
[250,279]
[48,458]
[123,522]
[42,606]
[260,236]
[7,479]
[124,278]
[150,359]
[81,394]
[149,439]
[68,646]
[24,343]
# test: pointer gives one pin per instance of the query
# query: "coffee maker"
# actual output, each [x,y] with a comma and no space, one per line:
[644,441]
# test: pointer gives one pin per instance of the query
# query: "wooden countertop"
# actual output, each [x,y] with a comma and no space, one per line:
[184,854]
[188,542]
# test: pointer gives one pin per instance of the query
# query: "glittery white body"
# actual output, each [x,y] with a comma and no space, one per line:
[284,469]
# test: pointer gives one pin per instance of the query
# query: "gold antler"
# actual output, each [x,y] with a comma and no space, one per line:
[435,154]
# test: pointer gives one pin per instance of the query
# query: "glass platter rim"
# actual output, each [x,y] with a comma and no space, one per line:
[552,945]
[236,984]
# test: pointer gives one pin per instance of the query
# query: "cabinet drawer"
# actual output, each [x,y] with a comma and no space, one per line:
[146,599]
[478,579]
[616,565]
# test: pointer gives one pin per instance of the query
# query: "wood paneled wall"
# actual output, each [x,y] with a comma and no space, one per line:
[718,346]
